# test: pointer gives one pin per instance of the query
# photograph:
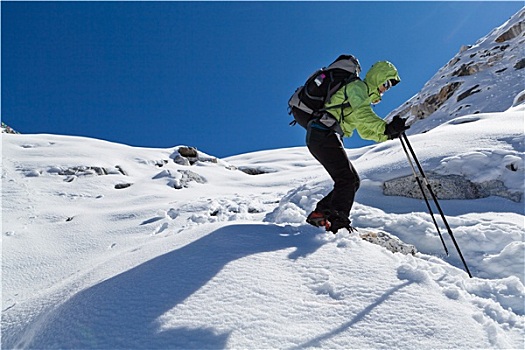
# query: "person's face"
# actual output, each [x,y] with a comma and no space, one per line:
[384,87]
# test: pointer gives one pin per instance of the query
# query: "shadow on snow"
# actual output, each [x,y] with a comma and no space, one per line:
[316,342]
[122,312]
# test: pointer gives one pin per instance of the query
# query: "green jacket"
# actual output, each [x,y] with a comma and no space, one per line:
[358,96]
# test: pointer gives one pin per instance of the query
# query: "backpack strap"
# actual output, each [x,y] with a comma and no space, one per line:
[345,103]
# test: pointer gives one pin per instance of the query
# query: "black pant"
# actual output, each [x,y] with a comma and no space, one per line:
[327,147]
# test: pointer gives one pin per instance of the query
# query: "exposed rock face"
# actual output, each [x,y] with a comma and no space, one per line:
[190,155]
[180,179]
[256,170]
[188,152]
[388,241]
[73,172]
[484,77]
[86,170]
[512,32]
[123,186]
[433,102]
[8,130]
[448,187]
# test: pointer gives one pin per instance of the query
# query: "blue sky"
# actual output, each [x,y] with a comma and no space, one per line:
[214,75]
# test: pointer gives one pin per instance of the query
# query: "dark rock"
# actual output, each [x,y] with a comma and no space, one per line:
[122,186]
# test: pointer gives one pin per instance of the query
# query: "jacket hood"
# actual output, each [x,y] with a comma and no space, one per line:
[378,74]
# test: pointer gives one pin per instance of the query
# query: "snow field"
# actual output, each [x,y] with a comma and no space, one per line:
[229,262]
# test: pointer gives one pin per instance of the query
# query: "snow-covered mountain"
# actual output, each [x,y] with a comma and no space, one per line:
[107,246]
[484,77]
[111,246]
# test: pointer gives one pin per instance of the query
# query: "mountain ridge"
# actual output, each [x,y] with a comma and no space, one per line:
[485,77]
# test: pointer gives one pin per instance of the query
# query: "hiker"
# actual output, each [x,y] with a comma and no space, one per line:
[348,109]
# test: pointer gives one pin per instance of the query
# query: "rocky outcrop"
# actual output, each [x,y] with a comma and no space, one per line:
[388,241]
[512,32]
[185,155]
[180,179]
[449,187]
[252,170]
[481,78]
[86,170]
[8,130]
[72,172]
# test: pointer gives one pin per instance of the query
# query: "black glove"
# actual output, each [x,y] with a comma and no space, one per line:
[395,128]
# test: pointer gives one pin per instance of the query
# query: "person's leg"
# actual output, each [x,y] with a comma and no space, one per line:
[327,147]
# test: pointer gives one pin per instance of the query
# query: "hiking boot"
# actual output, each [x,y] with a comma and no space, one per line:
[318,219]
[339,221]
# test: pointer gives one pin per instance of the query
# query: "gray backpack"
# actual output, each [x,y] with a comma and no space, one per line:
[310,98]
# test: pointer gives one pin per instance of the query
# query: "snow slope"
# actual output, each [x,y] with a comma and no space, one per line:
[484,77]
[226,261]
[107,246]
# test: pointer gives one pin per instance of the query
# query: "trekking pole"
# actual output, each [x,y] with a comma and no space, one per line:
[425,180]
[418,180]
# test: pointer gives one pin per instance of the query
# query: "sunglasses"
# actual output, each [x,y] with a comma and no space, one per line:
[386,86]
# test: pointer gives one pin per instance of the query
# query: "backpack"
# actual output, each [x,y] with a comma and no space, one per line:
[308,100]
